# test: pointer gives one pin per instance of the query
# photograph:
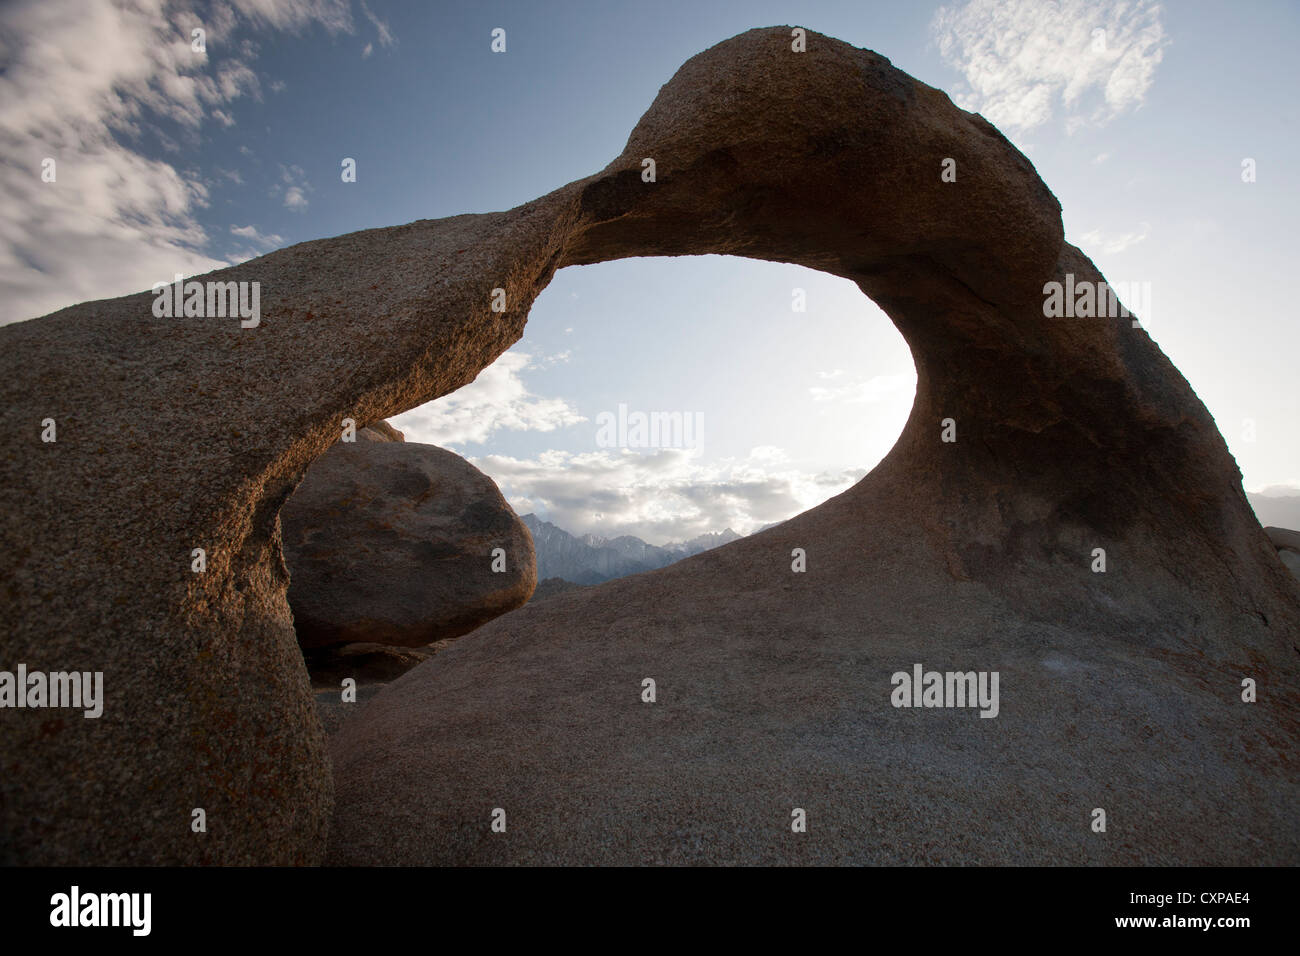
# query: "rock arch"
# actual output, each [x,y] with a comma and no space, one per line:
[183,433]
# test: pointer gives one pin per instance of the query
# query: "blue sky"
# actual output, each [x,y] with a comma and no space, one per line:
[170,160]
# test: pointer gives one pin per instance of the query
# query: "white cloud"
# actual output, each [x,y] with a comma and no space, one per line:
[385,35]
[1113,244]
[293,15]
[659,495]
[663,495]
[292,187]
[1287,488]
[1100,158]
[82,84]
[768,453]
[876,389]
[497,400]
[1022,59]
[368,49]
[252,234]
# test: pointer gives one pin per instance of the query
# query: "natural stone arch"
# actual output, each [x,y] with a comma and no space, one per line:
[175,434]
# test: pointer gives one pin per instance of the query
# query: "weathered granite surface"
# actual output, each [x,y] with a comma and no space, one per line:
[1119,690]
[400,543]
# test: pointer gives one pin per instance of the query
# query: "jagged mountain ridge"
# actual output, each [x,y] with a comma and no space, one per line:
[591,559]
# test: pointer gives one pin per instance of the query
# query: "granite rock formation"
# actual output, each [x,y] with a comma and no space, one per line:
[389,542]
[1119,690]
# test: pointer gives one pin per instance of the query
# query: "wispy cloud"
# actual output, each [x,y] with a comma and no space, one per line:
[664,495]
[495,401]
[87,85]
[293,15]
[876,389]
[253,235]
[1022,60]
[556,358]
[385,35]
[1098,241]
[292,188]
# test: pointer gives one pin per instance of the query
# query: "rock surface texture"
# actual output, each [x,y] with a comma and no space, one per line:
[389,542]
[1119,690]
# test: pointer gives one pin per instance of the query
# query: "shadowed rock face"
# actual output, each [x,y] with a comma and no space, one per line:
[390,542]
[1119,690]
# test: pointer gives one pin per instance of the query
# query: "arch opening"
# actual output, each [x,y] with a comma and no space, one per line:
[654,408]
[661,386]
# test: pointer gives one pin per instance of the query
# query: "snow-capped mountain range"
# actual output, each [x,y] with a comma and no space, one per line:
[591,559]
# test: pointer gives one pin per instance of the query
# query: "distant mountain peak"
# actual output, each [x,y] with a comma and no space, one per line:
[592,558]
